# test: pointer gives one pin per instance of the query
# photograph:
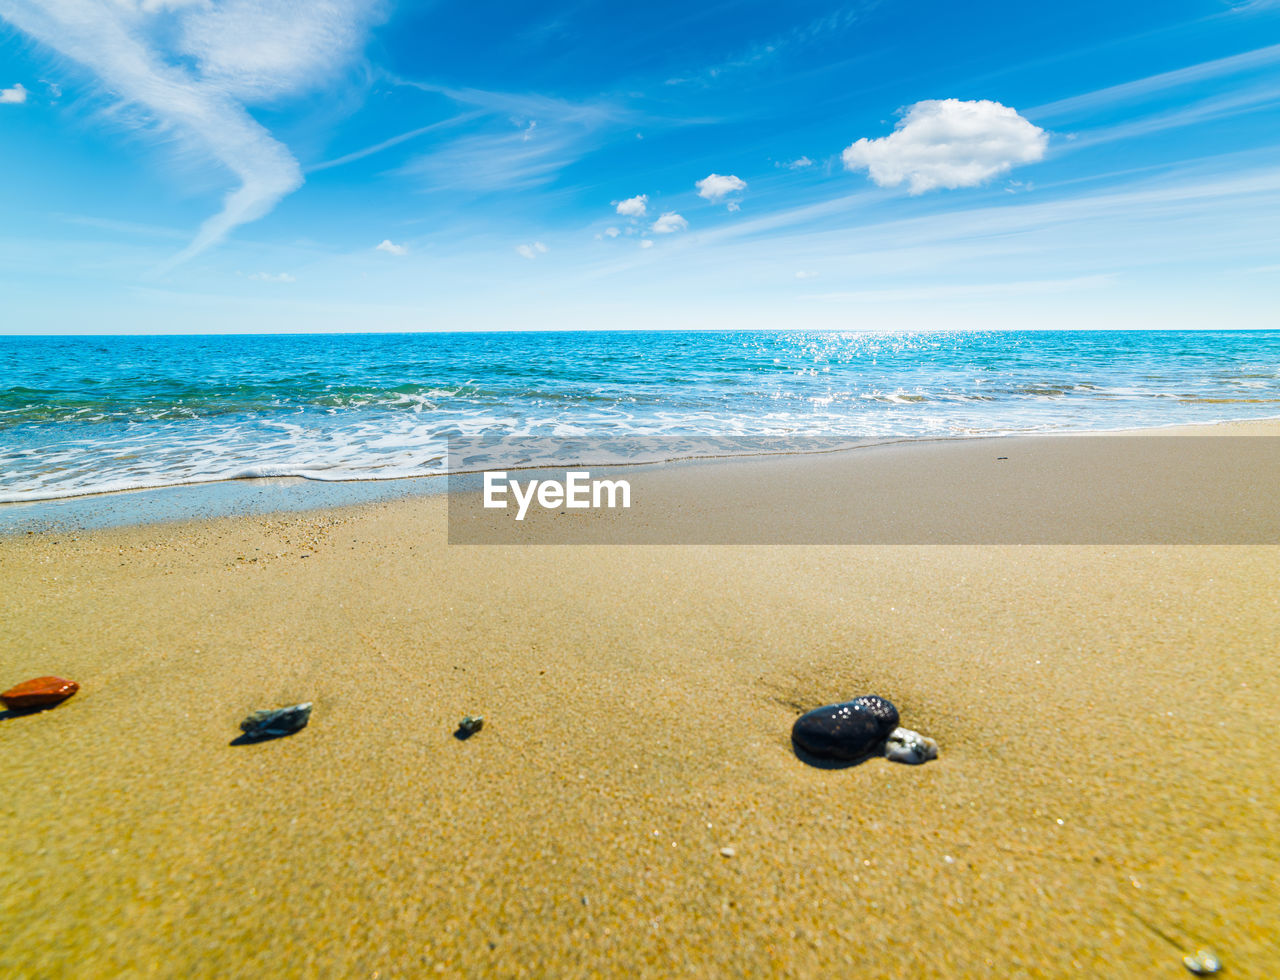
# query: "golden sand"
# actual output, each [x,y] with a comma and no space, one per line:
[1105,801]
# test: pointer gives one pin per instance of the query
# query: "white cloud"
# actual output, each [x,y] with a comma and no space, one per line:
[668,223]
[387,245]
[948,143]
[646,243]
[634,207]
[263,49]
[531,251]
[192,66]
[799,163]
[716,187]
[612,232]
[272,277]
[802,274]
[13,96]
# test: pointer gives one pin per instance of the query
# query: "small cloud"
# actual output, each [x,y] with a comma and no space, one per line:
[528,133]
[799,163]
[272,277]
[634,207]
[733,206]
[646,243]
[948,143]
[13,96]
[532,250]
[390,247]
[716,187]
[669,222]
[802,274]
[612,232]
[55,90]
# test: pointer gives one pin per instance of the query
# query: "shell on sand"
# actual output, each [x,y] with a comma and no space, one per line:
[909,747]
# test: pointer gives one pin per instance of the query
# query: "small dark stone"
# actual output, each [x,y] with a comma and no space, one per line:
[275,722]
[852,730]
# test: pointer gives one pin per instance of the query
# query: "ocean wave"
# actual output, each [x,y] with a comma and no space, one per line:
[129,413]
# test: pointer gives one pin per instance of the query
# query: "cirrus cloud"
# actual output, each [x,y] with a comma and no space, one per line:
[192,66]
[948,143]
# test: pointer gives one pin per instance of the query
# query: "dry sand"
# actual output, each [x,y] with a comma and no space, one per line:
[1104,803]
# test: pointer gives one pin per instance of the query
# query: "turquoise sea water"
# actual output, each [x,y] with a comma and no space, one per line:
[92,414]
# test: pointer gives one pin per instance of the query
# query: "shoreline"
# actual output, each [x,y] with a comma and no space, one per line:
[1103,799]
[177,503]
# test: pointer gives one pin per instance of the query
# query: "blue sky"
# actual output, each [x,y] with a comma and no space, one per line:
[266,165]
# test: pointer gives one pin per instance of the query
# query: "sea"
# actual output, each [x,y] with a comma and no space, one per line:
[93,414]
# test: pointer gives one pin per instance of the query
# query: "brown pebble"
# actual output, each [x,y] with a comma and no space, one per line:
[40,692]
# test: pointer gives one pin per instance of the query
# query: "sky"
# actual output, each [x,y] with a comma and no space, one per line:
[209,166]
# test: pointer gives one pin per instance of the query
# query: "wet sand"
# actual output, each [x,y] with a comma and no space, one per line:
[1104,802]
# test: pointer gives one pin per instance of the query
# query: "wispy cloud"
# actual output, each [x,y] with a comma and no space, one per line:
[390,247]
[192,67]
[13,96]
[1203,110]
[520,141]
[825,26]
[502,161]
[272,277]
[532,250]
[126,227]
[976,290]
[1155,84]
[393,141]
[1251,6]
[1158,220]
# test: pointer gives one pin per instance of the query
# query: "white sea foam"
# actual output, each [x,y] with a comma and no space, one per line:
[204,410]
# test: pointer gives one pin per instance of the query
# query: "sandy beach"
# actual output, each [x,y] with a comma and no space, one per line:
[1103,805]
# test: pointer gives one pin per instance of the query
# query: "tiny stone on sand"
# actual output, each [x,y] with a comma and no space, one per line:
[275,722]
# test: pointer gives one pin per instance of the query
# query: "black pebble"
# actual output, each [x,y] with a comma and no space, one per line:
[852,730]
